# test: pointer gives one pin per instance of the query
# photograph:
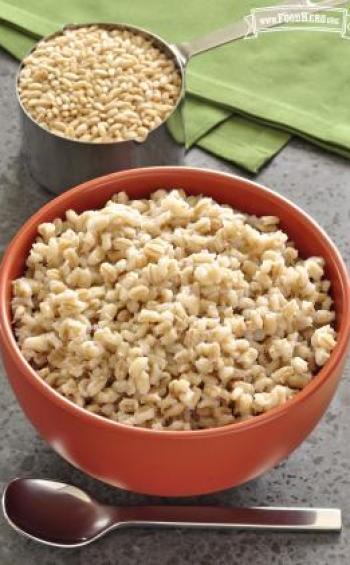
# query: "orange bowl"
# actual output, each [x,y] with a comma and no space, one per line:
[175,463]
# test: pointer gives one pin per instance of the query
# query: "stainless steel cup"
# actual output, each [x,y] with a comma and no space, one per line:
[59,163]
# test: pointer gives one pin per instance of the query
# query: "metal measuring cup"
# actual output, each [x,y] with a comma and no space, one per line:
[59,163]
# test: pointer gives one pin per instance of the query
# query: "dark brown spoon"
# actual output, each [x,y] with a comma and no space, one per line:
[63,515]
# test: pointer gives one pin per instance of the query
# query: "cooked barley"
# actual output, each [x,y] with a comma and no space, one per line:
[172,312]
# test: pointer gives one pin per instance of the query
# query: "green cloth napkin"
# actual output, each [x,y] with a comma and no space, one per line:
[245,98]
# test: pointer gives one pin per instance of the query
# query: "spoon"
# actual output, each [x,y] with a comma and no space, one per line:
[63,515]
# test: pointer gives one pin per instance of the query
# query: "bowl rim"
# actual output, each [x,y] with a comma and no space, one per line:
[10,345]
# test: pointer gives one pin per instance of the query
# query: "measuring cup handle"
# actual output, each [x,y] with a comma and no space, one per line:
[242,28]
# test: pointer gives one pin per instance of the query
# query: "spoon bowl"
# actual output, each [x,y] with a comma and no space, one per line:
[55,513]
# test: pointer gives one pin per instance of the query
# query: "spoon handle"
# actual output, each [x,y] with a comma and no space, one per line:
[255,518]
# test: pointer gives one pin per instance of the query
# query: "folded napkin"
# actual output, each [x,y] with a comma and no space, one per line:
[245,99]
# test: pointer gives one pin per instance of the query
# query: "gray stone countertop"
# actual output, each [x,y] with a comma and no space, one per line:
[317,473]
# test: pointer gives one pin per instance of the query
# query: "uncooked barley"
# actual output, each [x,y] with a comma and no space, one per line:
[99,84]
